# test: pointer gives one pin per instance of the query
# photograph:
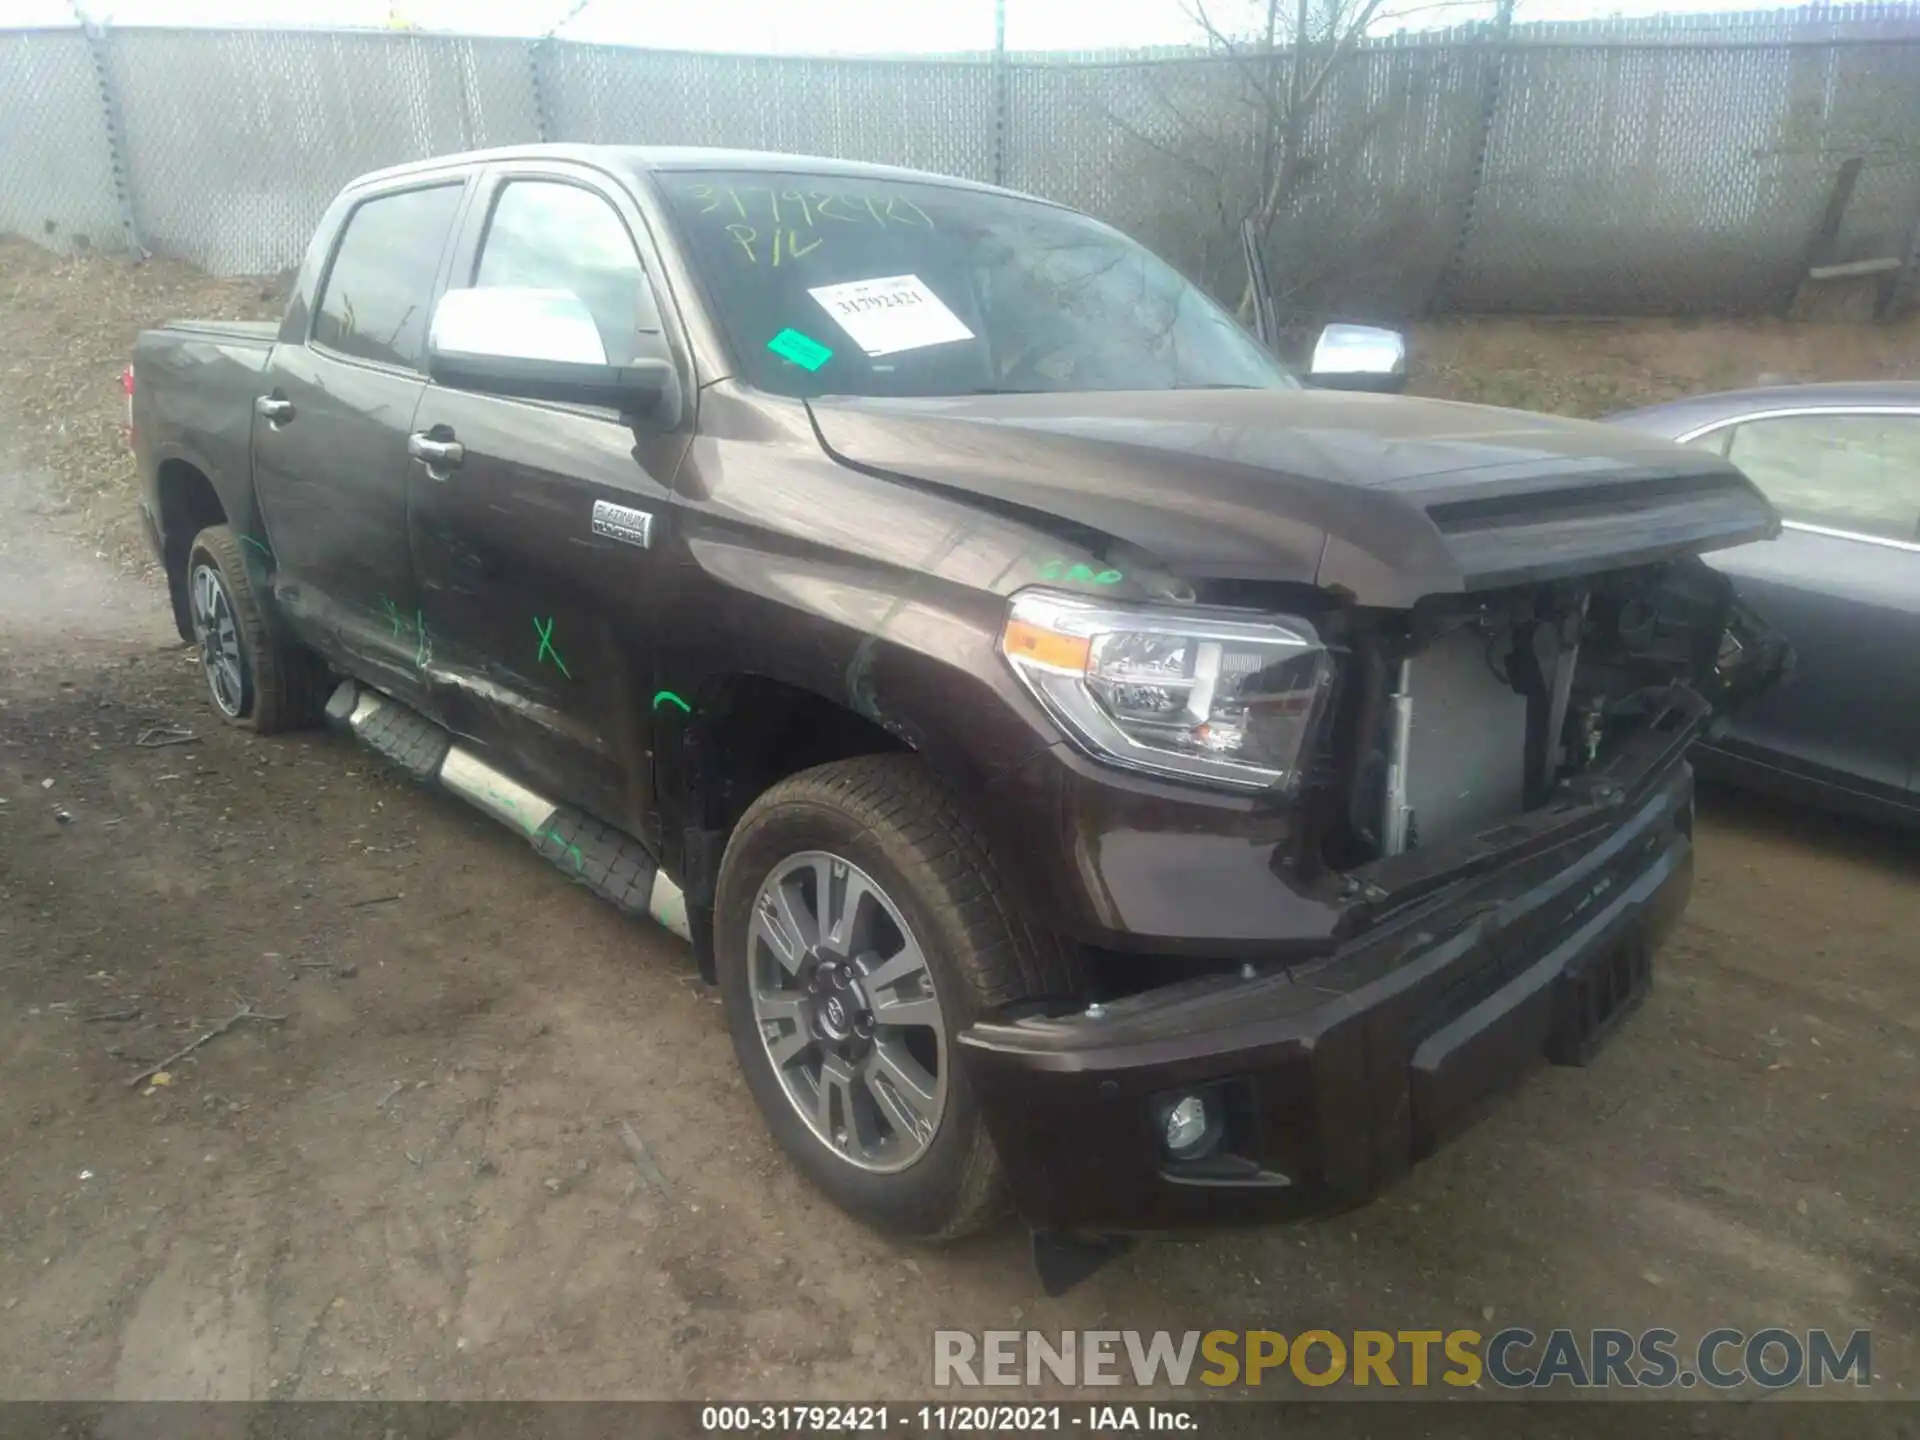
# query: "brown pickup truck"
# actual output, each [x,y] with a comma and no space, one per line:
[1100,769]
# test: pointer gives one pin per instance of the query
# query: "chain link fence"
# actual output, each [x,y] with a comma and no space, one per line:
[1700,171]
[1611,167]
[236,140]
[57,180]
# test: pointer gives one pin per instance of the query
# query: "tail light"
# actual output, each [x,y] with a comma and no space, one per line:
[126,388]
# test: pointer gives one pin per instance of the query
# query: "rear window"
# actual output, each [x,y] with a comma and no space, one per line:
[381,281]
[825,284]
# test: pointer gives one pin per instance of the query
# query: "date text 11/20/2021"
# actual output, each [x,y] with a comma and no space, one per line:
[947,1419]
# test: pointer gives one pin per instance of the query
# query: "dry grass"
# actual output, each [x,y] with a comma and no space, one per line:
[67,325]
[1593,367]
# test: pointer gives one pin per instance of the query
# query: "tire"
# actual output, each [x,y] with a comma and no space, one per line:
[255,678]
[894,824]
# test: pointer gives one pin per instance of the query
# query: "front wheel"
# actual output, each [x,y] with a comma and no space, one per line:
[255,678]
[860,926]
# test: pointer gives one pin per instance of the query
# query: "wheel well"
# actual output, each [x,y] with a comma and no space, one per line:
[188,505]
[756,732]
[745,737]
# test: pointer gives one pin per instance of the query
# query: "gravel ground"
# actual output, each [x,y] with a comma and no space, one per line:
[413,1184]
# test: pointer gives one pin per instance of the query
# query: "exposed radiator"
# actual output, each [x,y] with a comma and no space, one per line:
[1466,756]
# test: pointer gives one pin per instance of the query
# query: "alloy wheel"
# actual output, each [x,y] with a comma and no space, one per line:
[218,634]
[846,1007]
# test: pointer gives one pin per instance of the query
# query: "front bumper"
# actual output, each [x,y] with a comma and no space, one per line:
[1335,1078]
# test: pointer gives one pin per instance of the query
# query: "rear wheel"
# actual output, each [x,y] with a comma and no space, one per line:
[255,678]
[860,926]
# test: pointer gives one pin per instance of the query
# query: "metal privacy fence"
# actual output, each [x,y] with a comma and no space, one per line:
[1615,167]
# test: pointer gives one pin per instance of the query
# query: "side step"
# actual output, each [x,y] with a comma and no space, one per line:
[609,862]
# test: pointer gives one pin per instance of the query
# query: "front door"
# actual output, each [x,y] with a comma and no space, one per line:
[330,430]
[539,536]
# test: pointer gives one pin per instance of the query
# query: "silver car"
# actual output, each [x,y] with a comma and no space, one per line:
[1842,465]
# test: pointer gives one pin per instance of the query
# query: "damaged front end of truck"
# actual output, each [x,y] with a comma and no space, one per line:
[1491,830]
[1476,719]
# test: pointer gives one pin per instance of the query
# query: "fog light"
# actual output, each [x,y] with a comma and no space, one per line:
[1189,1128]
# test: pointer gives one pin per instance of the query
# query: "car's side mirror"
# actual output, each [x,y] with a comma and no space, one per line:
[538,345]
[1359,357]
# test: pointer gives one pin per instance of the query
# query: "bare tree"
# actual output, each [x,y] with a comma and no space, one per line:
[1319,36]
[1265,135]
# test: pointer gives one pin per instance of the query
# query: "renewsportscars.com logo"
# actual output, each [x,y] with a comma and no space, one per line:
[1511,1359]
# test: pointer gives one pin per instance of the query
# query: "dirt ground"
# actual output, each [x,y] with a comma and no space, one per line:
[411,1182]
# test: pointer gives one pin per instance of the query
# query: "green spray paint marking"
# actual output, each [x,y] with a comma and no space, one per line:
[571,850]
[1056,569]
[249,540]
[507,802]
[671,698]
[417,627]
[803,350]
[545,632]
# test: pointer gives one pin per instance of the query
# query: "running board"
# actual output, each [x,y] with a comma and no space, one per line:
[609,862]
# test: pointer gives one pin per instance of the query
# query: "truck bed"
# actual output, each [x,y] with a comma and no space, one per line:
[238,332]
[195,382]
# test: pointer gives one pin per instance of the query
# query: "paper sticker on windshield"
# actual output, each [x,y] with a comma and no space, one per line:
[803,350]
[887,316]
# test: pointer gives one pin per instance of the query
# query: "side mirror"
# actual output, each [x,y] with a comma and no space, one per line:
[1359,357]
[538,345]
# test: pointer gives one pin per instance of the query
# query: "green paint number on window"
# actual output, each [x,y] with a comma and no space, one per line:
[802,350]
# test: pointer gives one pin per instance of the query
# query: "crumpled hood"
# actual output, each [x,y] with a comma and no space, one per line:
[1385,497]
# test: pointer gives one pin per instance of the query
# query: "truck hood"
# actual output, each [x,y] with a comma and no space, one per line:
[1384,498]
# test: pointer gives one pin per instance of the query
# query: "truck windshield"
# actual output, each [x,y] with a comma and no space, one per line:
[831,285]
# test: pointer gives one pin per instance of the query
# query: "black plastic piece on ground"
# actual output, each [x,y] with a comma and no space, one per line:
[1062,1260]
[609,862]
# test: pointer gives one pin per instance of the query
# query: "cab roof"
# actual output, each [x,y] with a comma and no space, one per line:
[655,159]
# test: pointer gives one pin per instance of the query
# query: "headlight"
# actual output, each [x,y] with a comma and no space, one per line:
[1177,693]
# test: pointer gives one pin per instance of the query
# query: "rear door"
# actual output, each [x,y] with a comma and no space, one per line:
[330,434]
[1843,583]
[542,550]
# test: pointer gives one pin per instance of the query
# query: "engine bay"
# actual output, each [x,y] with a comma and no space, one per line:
[1472,710]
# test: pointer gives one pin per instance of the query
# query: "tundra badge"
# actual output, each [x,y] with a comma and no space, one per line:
[622,523]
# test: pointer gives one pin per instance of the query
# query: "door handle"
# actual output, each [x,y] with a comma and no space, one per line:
[436,455]
[274,409]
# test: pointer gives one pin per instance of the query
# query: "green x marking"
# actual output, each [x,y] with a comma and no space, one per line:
[545,632]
